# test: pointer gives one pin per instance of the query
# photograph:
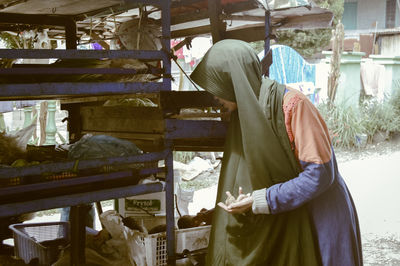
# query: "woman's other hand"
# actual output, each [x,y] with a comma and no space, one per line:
[241,204]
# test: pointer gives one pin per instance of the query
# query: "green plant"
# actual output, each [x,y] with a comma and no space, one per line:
[379,116]
[258,46]
[394,99]
[344,125]
[183,156]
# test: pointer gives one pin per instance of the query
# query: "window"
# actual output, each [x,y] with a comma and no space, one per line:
[349,18]
[390,13]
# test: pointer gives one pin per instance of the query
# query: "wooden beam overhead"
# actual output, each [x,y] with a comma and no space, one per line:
[117,9]
[242,17]
[247,34]
[191,31]
[187,99]
[240,7]
[181,3]
[21,27]
[188,17]
[314,21]
[199,14]
[52,20]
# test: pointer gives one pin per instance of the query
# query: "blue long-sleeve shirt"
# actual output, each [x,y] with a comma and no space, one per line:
[319,185]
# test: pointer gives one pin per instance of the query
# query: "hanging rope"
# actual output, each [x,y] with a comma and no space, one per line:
[183,71]
[139,27]
[186,42]
[90,31]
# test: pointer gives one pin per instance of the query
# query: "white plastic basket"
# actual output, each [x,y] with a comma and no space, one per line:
[190,239]
[29,241]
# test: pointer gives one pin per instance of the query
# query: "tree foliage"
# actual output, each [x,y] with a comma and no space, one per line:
[16,41]
[306,42]
[336,6]
[10,41]
[258,46]
[309,42]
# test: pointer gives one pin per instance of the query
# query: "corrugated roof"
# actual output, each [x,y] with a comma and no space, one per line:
[392,31]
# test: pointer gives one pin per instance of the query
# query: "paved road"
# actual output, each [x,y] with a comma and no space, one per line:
[374,183]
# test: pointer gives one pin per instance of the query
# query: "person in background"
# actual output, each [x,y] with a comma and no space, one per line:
[298,209]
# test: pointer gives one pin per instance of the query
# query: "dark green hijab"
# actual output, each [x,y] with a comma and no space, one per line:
[257,155]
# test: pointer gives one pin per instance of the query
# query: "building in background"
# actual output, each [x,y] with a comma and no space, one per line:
[373,24]
[364,16]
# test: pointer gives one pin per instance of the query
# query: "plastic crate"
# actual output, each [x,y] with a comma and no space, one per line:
[43,241]
[190,239]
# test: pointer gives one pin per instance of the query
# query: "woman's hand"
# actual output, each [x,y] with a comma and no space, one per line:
[237,206]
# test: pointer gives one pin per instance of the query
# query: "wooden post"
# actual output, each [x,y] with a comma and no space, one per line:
[217,27]
[334,72]
[77,234]
[74,121]
[42,122]
[34,117]
[70,35]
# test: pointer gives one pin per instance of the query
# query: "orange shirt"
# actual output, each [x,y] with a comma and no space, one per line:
[306,129]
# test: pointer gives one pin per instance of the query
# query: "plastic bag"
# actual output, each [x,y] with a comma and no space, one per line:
[91,258]
[125,245]
[101,146]
[23,136]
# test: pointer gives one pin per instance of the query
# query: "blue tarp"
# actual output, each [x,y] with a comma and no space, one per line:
[289,66]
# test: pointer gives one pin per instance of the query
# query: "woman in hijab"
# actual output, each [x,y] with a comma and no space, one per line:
[298,210]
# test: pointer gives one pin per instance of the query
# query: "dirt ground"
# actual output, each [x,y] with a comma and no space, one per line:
[373,178]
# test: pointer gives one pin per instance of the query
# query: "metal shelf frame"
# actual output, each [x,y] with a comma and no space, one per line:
[174,129]
[59,90]
[74,199]
[56,90]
